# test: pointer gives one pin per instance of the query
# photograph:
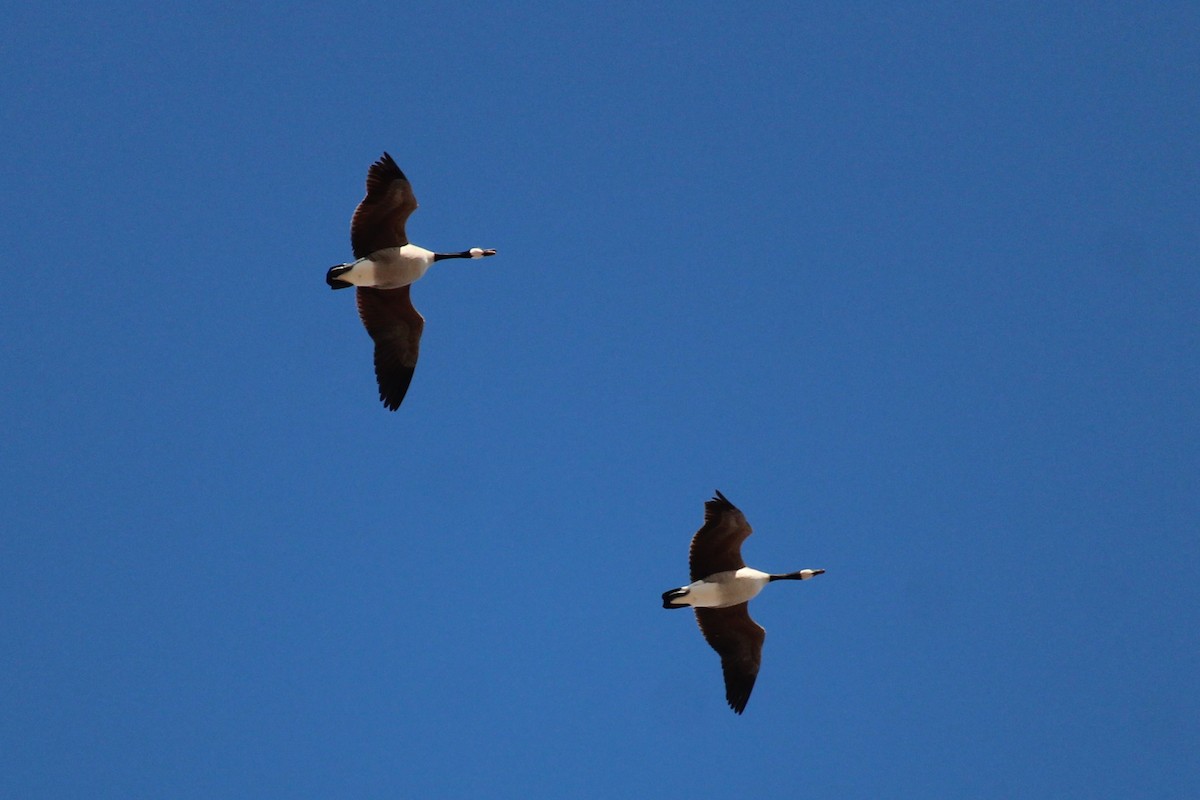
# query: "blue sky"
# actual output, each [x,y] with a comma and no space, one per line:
[915,286]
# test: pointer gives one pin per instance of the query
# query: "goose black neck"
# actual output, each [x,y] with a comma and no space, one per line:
[463,254]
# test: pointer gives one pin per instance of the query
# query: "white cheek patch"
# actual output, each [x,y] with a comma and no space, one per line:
[476,252]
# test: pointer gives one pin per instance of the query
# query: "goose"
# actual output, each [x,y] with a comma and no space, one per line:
[385,265]
[721,588]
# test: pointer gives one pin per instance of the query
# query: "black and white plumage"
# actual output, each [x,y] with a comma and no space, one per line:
[385,266]
[721,589]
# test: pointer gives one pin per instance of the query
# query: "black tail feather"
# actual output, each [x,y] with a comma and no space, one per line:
[334,281]
[668,596]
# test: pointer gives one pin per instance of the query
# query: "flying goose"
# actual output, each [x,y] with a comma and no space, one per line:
[385,266]
[721,588]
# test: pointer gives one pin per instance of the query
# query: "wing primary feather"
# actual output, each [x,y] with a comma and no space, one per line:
[379,219]
[717,546]
[738,640]
[395,326]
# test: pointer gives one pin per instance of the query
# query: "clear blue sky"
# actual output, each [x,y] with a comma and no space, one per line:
[916,287]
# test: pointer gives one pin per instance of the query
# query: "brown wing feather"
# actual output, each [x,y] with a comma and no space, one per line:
[379,220]
[717,546]
[395,326]
[738,639]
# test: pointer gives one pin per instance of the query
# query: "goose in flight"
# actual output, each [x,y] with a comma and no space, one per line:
[385,266]
[721,588]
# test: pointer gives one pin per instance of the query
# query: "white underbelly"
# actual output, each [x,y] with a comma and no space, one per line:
[390,268]
[729,588]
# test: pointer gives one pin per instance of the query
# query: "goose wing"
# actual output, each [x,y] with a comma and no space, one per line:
[717,546]
[738,639]
[395,326]
[379,220]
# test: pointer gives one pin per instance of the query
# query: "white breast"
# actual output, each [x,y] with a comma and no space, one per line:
[390,268]
[727,588]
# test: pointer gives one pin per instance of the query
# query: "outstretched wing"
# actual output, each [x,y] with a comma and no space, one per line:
[395,326]
[379,220]
[717,546]
[738,639]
